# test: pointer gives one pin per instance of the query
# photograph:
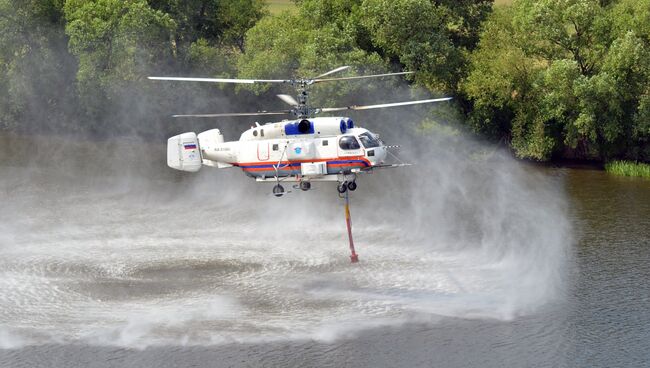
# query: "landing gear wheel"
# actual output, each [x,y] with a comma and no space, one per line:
[305,185]
[342,188]
[352,186]
[278,190]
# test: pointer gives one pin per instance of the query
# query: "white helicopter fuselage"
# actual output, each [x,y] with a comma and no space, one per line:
[312,149]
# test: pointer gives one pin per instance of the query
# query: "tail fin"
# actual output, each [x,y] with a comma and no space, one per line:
[184,153]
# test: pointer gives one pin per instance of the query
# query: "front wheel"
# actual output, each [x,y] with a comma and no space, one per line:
[278,190]
[342,188]
[352,186]
[305,185]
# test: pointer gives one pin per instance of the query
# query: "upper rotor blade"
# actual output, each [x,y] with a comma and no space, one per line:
[360,77]
[221,80]
[333,71]
[233,114]
[289,100]
[380,106]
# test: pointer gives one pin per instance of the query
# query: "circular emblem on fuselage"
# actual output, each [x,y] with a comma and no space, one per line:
[298,150]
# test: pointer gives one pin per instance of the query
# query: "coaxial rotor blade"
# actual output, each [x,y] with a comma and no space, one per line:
[333,71]
[288,99]
[221,80]
[260,113]
[359,77]
[380,106]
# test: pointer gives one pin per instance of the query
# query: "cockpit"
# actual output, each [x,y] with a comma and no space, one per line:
[368,140]
[352,144]
[349,142]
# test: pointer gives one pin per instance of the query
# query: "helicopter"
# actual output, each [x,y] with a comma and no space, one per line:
[301,150]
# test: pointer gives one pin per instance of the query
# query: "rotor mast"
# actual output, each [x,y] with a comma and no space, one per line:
[301,107]
[302,110]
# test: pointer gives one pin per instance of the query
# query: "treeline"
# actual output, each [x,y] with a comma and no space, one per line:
[553,78]
[80,66]
[565,78]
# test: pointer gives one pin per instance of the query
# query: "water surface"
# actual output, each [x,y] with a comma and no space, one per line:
[491,264]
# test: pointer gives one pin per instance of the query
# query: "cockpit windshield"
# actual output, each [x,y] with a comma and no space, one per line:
[368,140]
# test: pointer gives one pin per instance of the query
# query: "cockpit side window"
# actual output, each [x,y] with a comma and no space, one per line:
[349,142]
[368,140]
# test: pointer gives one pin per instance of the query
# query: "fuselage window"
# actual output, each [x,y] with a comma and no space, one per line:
[368,140]
[325,142]
[262,132]
[348,142]
[255,133]
[275,147]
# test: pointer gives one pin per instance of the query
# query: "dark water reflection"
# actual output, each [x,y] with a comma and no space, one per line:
[610,300]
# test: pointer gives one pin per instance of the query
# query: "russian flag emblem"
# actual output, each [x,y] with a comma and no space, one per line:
[189,146]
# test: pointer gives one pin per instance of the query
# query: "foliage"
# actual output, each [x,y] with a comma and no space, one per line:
[34,66]
[319,37]
[564,78]
[430,37]
[553,78]
[80,66]
[115,43]
[628,168]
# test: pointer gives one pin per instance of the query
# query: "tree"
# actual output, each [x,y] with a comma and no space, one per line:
[570,76]
[322,36]
[210,29]
[431,37]
[115,42]
[35,69]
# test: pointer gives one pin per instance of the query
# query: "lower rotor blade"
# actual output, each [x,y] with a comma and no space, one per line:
[381,106]
[233,114]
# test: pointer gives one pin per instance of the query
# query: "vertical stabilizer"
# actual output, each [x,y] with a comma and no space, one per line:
[184,153]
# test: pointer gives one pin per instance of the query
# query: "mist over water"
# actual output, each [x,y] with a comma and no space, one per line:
[101,243]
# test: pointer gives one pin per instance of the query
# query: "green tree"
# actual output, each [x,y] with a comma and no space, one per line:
[558,29]
[210,30]
[569,76]
[116,43]
[321,36]
[35,69]
[431,37]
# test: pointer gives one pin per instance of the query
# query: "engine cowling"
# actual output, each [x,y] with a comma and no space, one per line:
[318,126]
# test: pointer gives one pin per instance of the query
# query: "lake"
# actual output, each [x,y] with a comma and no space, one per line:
[109,262]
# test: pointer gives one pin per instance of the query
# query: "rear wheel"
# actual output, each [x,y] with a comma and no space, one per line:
[342,188]
[278,190]
[305,185]
[352,186]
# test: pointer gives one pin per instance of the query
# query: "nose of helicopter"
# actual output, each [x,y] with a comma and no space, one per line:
[377,155]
